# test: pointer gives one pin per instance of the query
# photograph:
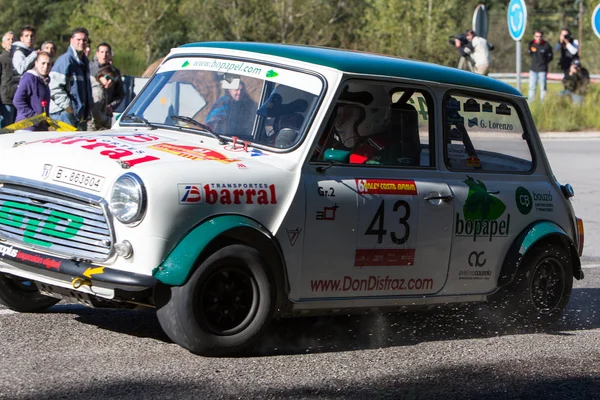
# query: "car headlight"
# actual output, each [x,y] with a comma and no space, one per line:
[128,199]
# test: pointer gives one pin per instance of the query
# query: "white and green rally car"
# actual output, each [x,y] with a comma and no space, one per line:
[253,181]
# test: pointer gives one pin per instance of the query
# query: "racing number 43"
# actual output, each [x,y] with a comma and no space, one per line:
[379,221]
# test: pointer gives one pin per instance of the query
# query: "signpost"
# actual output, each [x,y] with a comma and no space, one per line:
[481,21]
[517,20]
[596,21]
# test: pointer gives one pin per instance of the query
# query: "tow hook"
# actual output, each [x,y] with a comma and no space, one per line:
[78,282]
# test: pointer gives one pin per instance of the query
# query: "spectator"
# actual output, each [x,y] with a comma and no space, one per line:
[234,112]
[70,88]
[33,95]
[104,79]
[24,54]
[8,83]
[576,82]
[541,55]
[49,47]
[116,92]
[477,49]
[7,40]
[569,50]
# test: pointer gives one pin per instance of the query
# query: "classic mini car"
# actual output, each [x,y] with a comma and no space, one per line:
[252,181]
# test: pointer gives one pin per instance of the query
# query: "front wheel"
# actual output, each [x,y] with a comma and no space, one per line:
[542,288]
[223,307]
[22,295]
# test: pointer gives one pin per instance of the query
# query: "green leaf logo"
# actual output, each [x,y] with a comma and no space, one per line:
[185,64]
[480,205]
[271,74]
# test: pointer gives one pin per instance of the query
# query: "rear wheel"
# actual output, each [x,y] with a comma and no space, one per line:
[542,287]
[223,307]
[22,295]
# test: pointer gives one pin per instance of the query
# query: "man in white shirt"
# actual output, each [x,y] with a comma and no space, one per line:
[477,49]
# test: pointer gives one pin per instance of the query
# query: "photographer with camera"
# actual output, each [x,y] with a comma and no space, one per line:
[569,50]
[576,82]
[475,49]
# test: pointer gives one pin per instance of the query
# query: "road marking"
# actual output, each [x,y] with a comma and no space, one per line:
[6,312]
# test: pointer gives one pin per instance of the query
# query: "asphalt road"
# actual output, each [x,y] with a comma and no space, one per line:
[76,352]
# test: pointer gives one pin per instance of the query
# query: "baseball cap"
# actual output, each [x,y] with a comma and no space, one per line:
[576,62]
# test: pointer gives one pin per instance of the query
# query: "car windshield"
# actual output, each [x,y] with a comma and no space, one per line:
[261,104]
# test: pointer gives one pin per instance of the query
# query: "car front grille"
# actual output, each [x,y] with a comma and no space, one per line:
[55,221]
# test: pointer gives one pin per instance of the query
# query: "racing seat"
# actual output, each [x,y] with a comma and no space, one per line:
[404,125]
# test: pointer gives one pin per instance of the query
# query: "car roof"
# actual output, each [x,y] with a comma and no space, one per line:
[368,63]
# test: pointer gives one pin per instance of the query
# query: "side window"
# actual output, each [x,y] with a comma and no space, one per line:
[379,124]
[484,134]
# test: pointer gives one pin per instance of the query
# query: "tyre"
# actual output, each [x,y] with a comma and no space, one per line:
[22,295]
[542,287]
[223,307]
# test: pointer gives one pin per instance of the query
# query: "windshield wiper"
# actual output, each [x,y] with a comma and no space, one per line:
[137,118]
[205,128]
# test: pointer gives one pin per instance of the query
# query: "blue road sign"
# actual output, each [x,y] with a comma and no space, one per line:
[517,18]
[596,21]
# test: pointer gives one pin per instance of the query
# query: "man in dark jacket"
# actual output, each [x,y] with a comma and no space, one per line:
[8,83]
[33,95]
[70,88]
[541,55]
[116,92]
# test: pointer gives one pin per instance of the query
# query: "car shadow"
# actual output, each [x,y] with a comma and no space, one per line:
[359,332]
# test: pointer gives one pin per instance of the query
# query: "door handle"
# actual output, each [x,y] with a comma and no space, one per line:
[444,198]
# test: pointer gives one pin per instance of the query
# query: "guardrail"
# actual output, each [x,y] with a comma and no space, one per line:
[552,76]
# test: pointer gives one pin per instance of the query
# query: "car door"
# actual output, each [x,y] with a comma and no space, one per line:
[490,164]
[378,222]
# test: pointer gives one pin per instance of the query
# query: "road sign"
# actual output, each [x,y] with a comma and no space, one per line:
[596,21]
[481,21]
[517,19]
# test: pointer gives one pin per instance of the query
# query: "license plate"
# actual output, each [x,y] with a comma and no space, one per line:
[78,178]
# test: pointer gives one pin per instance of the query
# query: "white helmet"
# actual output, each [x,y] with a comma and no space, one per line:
[363,110]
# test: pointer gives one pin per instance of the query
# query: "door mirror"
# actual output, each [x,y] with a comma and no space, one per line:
[341,156]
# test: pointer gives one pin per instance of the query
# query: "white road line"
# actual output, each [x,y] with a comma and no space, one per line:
[6,312]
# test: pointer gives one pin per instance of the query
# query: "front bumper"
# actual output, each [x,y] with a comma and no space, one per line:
[80,276]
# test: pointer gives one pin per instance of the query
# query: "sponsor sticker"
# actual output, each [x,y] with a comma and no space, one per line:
[503,109]
[328,213]
[107,147]
[29,258]
[227,193]
[384,257]
[471,105]
[482,214]
[293,235]
[386,186]
[193,153]
[526,201]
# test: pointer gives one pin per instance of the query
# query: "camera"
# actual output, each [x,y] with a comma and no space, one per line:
[568,38]
[461,37]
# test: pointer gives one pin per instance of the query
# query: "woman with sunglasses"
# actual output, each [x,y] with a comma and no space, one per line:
[101,82]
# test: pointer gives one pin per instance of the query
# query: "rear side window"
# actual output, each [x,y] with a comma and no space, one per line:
[484,134]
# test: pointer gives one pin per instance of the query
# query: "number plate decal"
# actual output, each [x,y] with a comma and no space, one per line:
[78,178]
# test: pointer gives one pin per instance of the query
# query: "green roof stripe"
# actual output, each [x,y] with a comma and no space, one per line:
[367,63]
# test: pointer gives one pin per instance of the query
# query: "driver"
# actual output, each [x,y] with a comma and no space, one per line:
[360,125]
[287,119]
